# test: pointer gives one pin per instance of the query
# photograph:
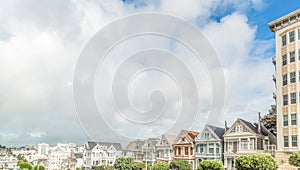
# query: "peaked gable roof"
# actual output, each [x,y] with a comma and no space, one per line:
[91,145]
[190,135]
[253,127]
[170,138]
[216,131]
[151,141]
[135,144]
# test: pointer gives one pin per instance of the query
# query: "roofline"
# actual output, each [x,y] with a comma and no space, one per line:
[280,21]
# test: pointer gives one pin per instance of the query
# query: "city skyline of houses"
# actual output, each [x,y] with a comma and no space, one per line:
[211,143]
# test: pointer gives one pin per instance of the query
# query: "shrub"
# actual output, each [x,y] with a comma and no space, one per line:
[180,165]
[255,162]
[294,159]
[211,165]
[161,166]
[123,163]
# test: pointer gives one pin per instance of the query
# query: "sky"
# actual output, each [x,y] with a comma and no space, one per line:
[40,44]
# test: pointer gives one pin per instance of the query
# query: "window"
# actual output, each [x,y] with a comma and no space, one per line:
[293,98]
[285,120]
[283,40]
[292,36]
[284,60]
[244,144]
[292,77]
[286,141]
[298,34]
[239,128]
[206,135]
[285,100]
[284,80]
[294,140]
[179,151]
[217,148]
[167,152]
[251,143]
[211,148]
[292,56]
[294,119]
[201,148]
[186,150]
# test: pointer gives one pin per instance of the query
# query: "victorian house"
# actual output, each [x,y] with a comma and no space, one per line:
[184,146]
[209,144]
[149,150]
[134,150]
[244,138]
[164,148]
[101,153]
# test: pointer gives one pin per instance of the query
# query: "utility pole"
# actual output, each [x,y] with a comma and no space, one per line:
[146,154]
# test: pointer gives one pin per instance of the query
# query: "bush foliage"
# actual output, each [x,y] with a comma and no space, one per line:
[255,162]
[211,165]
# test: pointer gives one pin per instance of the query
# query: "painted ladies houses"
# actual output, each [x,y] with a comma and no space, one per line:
[149,150]
[134,150]
[244,138]
[184,146]
[164,148]
[101,153]
[209,144]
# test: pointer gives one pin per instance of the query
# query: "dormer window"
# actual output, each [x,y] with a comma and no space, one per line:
[206,136]
[239,128]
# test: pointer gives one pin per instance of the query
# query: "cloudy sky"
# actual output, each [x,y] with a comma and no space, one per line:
[41,41]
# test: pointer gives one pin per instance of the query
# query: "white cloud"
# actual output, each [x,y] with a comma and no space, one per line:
[37,133]
[40,43]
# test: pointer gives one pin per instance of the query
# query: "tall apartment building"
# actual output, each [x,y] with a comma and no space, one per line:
[287,32]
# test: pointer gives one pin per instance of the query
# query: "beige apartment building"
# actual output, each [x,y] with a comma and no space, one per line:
[287,33]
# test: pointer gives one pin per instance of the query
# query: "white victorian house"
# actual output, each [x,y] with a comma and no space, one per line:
[101,153]
[164,148]
[245,138]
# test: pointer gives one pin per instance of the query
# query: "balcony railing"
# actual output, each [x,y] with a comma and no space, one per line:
[274,60]
[274,78]
[274,95]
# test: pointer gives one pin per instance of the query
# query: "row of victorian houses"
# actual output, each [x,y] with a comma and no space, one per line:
[217,143]
[212,143]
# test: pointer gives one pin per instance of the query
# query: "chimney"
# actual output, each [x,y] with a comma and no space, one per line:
[226,128]
[259,125]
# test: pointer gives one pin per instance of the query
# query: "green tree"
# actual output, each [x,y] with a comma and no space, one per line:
[123,163]
[269,120]
[255,162]
[39,167]
[138,166]
[180,165]
[294,159]
[110,168]
[211,165]
[21,158]
[25,165]
[161,166]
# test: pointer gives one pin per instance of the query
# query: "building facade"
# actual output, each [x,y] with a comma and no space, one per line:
[245,138]
[164,148]
[134,150]
[8,162]
[149,150]
[287,35]
[209,144]
[101,153]
[184,147]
